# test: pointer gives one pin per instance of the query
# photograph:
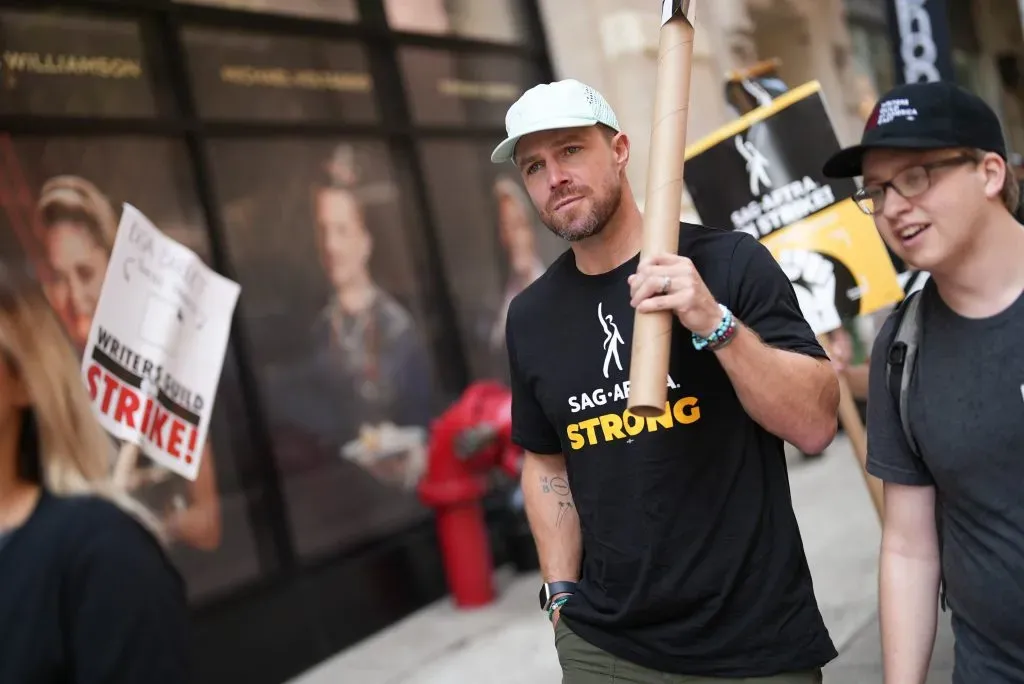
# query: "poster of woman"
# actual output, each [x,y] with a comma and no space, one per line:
[77,226]
[60,202]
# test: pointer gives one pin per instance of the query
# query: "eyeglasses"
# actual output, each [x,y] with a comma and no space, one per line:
[908,183]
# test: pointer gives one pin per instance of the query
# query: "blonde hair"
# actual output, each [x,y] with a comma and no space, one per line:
[72,198]
[64,447]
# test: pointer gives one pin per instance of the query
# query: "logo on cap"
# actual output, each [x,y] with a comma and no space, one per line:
[890,110]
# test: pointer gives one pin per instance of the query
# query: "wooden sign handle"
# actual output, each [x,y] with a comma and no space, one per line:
[853,426]
[127,459]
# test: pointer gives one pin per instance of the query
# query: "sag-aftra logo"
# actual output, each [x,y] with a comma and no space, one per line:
[622,425]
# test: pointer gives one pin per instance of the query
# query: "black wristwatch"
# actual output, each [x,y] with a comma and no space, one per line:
[550,589]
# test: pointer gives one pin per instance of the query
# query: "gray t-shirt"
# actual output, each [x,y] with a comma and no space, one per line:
[966,408]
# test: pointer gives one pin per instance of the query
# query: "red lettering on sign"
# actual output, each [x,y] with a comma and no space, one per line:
[110,384]
[156,430]
[127,404]
[147,415]
[191,444]
[92,376]
[174,441]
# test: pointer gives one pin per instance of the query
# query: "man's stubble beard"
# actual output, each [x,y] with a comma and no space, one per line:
[594,222]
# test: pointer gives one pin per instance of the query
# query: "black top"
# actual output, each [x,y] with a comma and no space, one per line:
[966,408]
[88,596]
[692,559]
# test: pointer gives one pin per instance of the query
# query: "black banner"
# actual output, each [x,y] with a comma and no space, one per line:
[919,31]
[776,164]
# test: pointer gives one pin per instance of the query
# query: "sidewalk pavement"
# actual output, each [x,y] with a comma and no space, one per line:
[860,662]
[510,641]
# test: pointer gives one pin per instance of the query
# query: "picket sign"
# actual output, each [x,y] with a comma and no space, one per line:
[762,174]
[156,348]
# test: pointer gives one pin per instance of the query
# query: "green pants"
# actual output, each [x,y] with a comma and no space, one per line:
[583,663]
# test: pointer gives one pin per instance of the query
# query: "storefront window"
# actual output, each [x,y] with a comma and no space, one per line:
[499,21]
[273,78]
[334,309]
[369,296]
[65,65]
[492,243]
[337,10]
[454,88]
[61,201]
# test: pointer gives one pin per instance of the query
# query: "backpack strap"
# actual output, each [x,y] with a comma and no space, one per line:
[900,361]
[899,371]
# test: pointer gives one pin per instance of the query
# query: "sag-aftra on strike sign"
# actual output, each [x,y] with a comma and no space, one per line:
[761,174]
[156,348]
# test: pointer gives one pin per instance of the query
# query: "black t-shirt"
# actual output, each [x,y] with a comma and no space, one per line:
[692,558]
[966,409]
[87,597]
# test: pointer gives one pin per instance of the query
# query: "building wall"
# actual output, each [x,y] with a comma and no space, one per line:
[613,46]
[999,37]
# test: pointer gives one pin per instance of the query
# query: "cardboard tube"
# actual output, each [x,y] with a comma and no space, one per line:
[652,333]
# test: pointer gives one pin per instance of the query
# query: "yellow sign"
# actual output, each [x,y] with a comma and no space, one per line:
[837,245]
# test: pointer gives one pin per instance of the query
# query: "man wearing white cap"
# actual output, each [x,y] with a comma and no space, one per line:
[669,547]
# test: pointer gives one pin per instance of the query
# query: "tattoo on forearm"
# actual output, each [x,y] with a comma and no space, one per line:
[563,508]
[558,486]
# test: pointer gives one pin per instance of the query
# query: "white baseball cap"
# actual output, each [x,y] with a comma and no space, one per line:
[544,107]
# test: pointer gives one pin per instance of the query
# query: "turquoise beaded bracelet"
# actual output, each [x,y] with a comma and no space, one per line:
[721,336]
[556,604]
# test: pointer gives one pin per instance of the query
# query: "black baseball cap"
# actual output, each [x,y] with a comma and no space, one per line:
[922,116]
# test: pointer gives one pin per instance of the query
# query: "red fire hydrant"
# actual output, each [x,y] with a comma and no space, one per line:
[466,442]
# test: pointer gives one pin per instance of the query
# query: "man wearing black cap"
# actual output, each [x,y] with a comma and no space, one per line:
[936,181]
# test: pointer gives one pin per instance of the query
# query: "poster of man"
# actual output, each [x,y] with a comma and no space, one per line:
[64,223]
[492,245]
[517,235]
[370,344]
[340,331]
